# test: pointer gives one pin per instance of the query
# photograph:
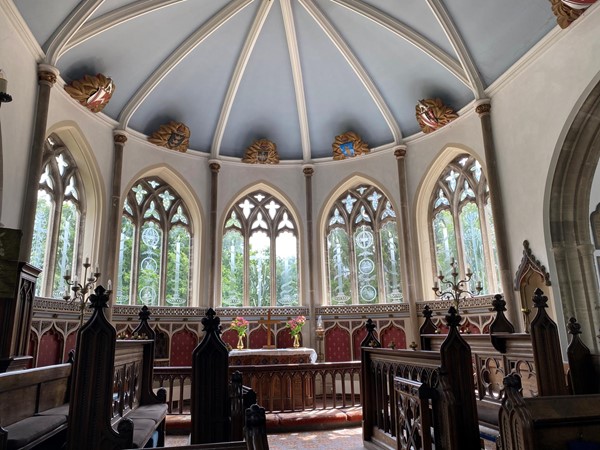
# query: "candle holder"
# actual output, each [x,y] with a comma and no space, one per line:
[320,332]
[81,289]
[456,289]
[4,97]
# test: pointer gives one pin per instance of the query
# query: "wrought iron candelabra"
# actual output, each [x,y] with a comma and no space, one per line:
[455,289]
[80,289]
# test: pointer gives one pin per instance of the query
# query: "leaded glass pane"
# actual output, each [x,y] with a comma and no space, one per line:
[154,184]
[473,245]
[374,199]
[61,163]
[71,189]
[476,169]
[46,178]
[388,211]
[178,267]
[336,218]
[362,215]
[445,241]
[233,221]
[441,199]
[125,261]
[127,208]
[232,269]
[43,216]
[391,263]
[140,193]
[149,264]
[260,272]
[451,180]
[247,207]
[259,222]
[349,202]
[467,192]
[65,250]
[338,263]
[167,199]
[272,207]
[180,216]
[364,250]
[152,212]
[285,222]
[286,254]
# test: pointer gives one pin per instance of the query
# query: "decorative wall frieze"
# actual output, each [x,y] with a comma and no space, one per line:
[92,91]
[172,135]
[348,145]
[475,304]
[363,310]
[432,114]
[262,151]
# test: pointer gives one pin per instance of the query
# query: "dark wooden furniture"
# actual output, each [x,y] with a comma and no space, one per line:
[126,413]
[217,407]
[554,422]
[34,406]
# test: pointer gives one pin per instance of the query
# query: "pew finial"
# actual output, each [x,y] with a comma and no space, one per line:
[211,322]
[453,318]
[573,326]
[144,314]
[539,299]
[99,299]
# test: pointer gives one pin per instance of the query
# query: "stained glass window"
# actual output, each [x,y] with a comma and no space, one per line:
[462,225]
[259,253]
[58,225]
[155,247]
[363,254]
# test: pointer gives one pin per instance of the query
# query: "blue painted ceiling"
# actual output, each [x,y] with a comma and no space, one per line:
[296,72]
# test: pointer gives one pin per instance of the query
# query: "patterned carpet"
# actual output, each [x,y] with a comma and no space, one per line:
[345,438]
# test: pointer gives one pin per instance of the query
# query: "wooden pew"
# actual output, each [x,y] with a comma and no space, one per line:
[409,396]
[128,404]
[217,407]
[34,406]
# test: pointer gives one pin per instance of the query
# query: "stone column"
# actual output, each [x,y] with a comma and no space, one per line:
[308,171]
[114,218]
[406,250]
[483,108]
[215,166]
[46,78]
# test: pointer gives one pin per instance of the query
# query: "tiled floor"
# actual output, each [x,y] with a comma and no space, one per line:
[345,438]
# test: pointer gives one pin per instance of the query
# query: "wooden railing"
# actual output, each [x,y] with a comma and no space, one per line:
[288,387]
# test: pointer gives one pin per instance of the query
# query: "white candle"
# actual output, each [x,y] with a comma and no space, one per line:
[68,274]
[74,278]
[87,260]
[109,285]
[3,83]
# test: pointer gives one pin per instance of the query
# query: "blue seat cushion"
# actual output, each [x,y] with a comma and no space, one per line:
[28,430]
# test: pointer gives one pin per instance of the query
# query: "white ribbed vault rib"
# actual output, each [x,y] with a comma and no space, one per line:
[54,45]
[409,35]
[195,39]
[113,18]
[234,84]
[292,41]
[457,43]
[360,71]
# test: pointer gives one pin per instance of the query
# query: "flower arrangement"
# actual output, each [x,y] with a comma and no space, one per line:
[295,325]
[240,325]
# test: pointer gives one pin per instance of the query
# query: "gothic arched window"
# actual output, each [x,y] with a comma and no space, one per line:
[155,246]
[259,259]
[58,227]
[462,226]
[363,249]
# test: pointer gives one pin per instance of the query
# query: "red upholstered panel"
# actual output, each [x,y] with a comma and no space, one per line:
[33,344]
[258,337]
[357,338]
[50,348]
[285,339]
[70,345]
[441,326]
[394,334]
[183,344]
[230,337]
[468,327]
[337,344]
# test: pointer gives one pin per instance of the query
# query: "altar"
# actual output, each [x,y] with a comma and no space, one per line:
[278,389]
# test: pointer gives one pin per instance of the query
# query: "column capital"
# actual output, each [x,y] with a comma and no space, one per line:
[119,137]
[308,170]
[47,74]
[400,151]
[214,165]
[483,106]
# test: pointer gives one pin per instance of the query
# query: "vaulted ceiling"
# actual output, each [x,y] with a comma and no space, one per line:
[296,72]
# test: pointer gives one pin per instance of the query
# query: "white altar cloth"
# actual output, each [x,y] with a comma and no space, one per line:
[276,352]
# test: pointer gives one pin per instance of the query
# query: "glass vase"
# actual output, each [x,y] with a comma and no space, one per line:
[240,344]
[296,343]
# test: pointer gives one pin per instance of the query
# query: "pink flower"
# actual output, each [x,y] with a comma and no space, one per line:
[240,325]
[295,325]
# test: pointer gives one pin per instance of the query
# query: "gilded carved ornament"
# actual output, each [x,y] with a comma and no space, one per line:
[172,135]
[432,114]
[348,145]
[565,15]
[262,151]
[93,92]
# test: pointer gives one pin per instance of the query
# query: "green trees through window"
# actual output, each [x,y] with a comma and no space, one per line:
[155,247]
[259,253]
[363,257]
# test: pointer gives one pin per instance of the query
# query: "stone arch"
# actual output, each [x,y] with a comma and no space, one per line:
[569,218]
